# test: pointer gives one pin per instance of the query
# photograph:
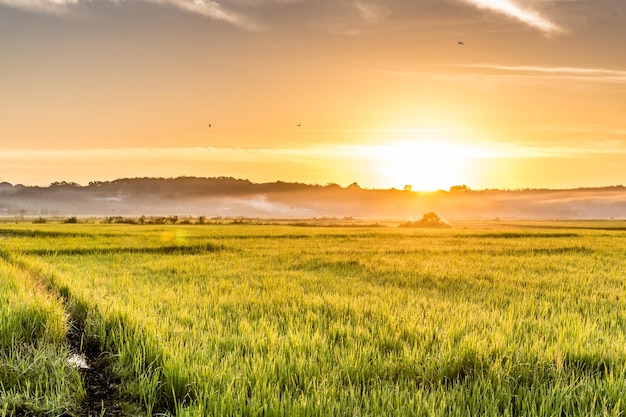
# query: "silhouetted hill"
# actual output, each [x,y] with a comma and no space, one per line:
[230,197]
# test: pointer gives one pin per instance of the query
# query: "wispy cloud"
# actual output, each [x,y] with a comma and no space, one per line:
[512,9]
[207,8]
[41,6]
[211,9]
[575,73]
[369,11]
[339,152]
[345,16]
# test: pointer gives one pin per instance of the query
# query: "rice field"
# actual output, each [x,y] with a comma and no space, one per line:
[35,378]
[493,319]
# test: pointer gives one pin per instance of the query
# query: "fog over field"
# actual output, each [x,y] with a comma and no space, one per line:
[229,197]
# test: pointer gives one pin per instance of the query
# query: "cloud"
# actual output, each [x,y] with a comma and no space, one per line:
[210,9]
[512,9]
[207,8]
[370,12]
[341,16]
[570,73]
[42,6]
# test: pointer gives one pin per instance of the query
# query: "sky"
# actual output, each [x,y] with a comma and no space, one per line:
[387,93]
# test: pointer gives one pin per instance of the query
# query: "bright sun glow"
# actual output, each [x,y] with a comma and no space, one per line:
[426,165]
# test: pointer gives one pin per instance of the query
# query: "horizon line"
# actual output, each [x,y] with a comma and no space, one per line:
[458,188]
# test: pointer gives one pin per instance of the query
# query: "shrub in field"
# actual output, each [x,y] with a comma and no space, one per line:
[428,220]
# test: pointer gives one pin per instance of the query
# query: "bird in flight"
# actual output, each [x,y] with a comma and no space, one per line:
[299,124]
[460,43]
[209,124]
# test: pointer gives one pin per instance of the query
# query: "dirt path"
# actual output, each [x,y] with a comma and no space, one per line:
[101,386]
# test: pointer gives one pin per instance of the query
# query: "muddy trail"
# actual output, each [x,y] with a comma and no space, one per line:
[101,385]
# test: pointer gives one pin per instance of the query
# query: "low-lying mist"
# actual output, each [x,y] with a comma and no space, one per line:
[231,198]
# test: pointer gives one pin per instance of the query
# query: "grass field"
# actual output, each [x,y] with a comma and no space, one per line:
[494,319]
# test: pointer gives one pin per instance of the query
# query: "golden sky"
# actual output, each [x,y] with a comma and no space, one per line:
[535,96]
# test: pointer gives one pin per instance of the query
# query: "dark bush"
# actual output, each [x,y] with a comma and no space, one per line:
[428,220]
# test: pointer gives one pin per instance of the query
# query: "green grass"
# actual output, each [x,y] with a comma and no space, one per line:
[35,377]
[241,320]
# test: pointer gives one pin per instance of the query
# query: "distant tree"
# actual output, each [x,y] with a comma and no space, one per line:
[428,220]
[459,188]
[408,187]
[72,219]
[64,184]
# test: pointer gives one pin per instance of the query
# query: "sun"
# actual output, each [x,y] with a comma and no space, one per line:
[425,165]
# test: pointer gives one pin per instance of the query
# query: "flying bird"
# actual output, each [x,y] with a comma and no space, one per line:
[299,124]
[460,43]
[209,124]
